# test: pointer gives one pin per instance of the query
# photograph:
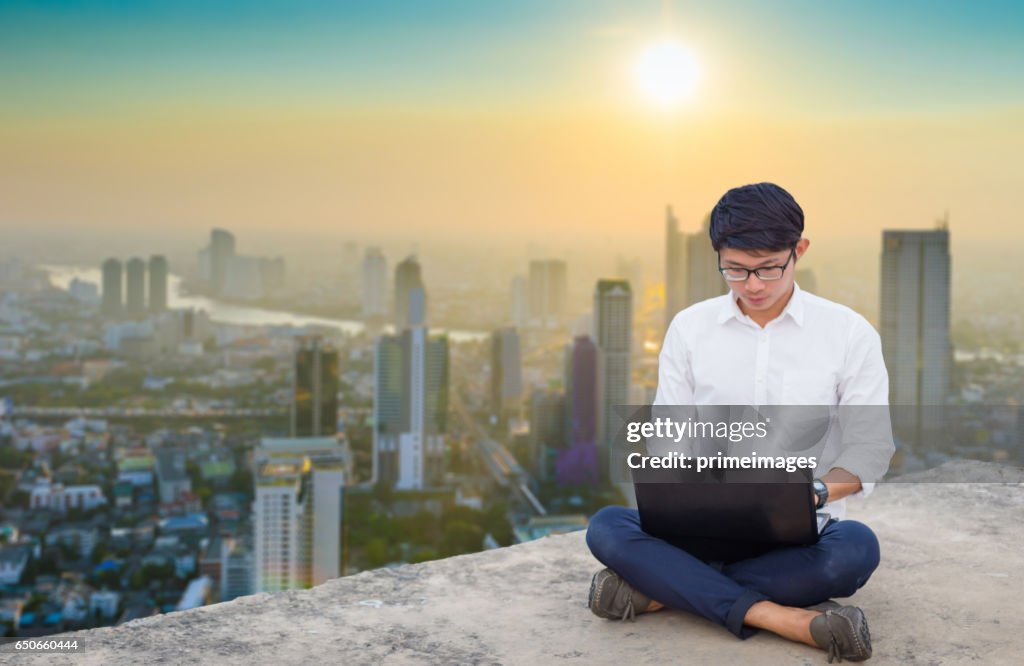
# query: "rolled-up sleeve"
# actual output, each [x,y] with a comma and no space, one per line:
[867,442]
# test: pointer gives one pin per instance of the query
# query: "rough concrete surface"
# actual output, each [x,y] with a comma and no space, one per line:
[948,591]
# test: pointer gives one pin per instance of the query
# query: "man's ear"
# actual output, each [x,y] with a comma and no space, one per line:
[802,246]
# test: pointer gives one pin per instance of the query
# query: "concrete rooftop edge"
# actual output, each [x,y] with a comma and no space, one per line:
[948,590]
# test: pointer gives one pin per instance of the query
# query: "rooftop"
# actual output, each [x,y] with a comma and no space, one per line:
[948,591]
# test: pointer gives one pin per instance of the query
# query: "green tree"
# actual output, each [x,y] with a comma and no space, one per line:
[495,522]
[460,537]
[241,480]
[376,553]
[99,553]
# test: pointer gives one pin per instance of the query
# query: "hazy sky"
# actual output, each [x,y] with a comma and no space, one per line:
[515,120]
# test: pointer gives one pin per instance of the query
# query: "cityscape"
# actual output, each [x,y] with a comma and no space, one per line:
[294,291]
[158,458]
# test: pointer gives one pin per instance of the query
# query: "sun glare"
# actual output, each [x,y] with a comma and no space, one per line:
[666,74]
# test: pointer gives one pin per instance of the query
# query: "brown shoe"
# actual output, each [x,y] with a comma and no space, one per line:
[843,633]
[613,598]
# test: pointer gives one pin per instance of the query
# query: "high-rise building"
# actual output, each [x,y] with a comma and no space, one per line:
[547,292]
[297,512]
[577,464]
[547,431]
[112,288]
[703,280]
[410,408]
[222,249]
[236,568]
[375,283]
[613,326]
[581,384]
[410,294]
[315,389]
[506,372]
[157,283]
[691,267]
[675,268]
[631,269]
[135,286]
[914,323]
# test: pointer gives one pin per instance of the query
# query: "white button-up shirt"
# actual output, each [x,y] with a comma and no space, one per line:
[815,353]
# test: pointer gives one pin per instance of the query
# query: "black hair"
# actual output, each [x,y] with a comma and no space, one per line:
[756,217]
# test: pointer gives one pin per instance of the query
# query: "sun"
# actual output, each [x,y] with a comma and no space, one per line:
[666,74]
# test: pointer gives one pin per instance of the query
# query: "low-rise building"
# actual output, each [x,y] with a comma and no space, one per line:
[57,497]
[13,560]
[170,471]
[105,603]
[83,538]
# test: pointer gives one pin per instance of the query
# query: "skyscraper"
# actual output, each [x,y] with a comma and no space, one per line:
[506,373]
[315,405]
[222,249]
[547,430]
[410,408]
[581,390]
[578,463]
[613,325]
[297,512]
[410,294]
[703,281]
[375,283]
[675,274]
[691,267]
[548,286]
[157,283]
[236,567]
[914,323]
[135,286]
[112,289]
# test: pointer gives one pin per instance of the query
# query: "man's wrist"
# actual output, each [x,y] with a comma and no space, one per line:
[820,492]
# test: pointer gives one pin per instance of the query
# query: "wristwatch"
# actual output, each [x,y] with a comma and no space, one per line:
[821,492]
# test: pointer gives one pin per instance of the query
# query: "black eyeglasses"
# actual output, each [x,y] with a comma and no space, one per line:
[737,274]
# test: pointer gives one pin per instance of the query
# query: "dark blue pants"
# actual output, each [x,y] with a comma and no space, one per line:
[837,566]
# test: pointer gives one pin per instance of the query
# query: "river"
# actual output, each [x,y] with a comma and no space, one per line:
[231,313]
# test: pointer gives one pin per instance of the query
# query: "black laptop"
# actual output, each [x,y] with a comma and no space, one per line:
[728,517]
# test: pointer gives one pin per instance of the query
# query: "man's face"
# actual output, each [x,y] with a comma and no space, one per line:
[755,294]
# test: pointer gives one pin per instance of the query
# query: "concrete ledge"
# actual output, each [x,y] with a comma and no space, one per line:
[949,590]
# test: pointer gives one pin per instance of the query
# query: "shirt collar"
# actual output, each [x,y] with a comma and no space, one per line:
[794,309]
